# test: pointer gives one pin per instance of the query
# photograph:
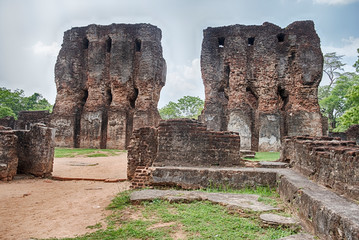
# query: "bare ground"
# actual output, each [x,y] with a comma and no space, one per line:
[44,208]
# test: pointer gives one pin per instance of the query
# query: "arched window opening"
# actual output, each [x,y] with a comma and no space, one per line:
[281,37]
[221,42]
[85,43]
[108,44]
[138,45]
[251,41]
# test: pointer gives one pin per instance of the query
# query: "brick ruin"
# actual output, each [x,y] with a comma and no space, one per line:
[26,119]
[182,143]
[108,81]
[261,81]
[330,161]
[26,151]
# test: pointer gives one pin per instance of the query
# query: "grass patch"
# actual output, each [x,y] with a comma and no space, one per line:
[265,156]
[85,152]
[197,220]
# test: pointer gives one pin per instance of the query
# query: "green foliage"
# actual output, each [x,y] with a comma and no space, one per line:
[351,115]
[16,101]
[265,156]
[85,152]
[186,107]
[6,112]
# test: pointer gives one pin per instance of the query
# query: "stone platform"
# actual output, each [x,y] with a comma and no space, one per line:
[322,212]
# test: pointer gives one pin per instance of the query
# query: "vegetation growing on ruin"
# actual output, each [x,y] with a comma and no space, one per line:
[85,152]
[197,220]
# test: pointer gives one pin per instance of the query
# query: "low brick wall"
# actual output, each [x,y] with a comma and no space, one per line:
[329,161]
[36,150]
[28,118]
[8,154]
[26,151]
[182,142]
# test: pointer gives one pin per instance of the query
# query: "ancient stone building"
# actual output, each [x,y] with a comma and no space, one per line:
[108,81]
[261,81]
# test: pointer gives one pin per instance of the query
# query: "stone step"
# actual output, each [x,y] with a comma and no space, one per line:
[272,164]
[278,220]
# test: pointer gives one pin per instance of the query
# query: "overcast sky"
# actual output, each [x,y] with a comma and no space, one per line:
[32,30]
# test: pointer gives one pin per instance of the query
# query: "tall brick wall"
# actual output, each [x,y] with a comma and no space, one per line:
[182,142]
[262,81]
[330,161]
[108,81]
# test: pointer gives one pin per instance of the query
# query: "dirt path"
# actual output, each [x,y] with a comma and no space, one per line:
[43,208]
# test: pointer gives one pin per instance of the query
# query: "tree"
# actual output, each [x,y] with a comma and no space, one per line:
[335,103]
[332,65]
[16,102]
[356,64]
[351,115]
[185,107]
[6,112]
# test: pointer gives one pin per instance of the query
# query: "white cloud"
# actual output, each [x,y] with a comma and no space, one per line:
[46,50]
[183,80]
[335,2]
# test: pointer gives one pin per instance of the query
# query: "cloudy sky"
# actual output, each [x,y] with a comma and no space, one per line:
[32,30]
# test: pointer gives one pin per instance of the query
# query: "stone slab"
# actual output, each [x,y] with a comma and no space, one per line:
[273,164]
[246,201]
[277,220]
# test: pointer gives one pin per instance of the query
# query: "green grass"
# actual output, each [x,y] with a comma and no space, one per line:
[85,152]
[265,156]
[197,220]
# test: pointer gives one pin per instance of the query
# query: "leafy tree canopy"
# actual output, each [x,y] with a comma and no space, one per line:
[185,107]
[16,101]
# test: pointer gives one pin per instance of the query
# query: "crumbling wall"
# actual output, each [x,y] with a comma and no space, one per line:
[35,149]
[26,151]
[352,133]
[8,154]
[108,81]
[187,143]
[330,161]
[182,142]
[28,118]
[8,122]
[261,81]
[142,149]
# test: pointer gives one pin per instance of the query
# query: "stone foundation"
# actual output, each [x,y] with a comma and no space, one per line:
[26,151]
[329,161]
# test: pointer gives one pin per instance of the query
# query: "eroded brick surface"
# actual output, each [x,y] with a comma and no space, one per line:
[108,81]
[182,142]
[8,154]
[261,81]
[330,161]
